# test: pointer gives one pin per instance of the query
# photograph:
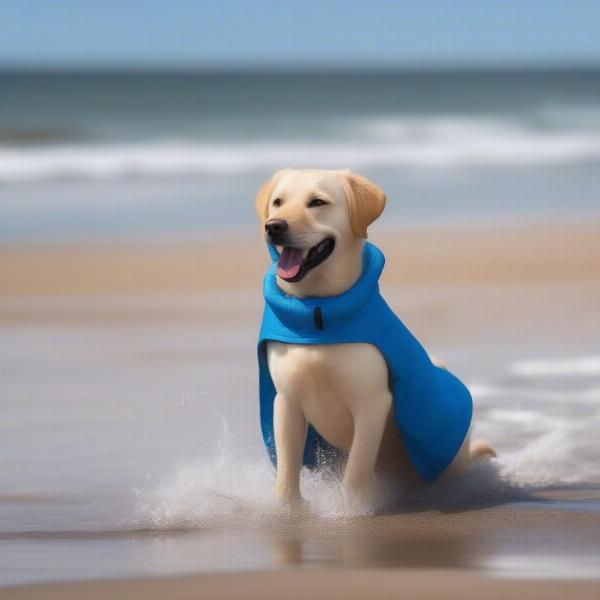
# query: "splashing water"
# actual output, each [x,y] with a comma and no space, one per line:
[544,434]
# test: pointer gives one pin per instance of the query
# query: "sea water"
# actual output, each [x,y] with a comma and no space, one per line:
[106,154]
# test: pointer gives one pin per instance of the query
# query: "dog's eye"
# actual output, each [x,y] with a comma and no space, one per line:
[277,202]
[316,202]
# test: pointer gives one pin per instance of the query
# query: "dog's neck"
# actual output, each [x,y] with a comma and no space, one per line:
[332,278]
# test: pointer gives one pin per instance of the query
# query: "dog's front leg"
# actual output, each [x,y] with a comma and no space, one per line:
[369,425]
[290,438]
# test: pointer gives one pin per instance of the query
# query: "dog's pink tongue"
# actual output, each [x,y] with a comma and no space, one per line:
[289,262]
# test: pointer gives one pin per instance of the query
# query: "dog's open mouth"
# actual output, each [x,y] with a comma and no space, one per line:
[295,263]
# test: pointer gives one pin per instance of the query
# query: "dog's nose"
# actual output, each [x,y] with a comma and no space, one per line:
[276,226]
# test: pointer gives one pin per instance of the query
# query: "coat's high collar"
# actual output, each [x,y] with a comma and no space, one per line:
[299,313]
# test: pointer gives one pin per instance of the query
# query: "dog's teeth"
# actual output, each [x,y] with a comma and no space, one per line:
[279,249]
[305,253]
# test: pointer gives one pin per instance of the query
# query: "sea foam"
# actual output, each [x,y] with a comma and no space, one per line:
[439,142]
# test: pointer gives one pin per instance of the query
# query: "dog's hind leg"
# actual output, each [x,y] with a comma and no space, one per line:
[480,449]
[469,452]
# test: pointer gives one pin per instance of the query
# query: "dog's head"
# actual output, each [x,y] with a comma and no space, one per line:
[312,216]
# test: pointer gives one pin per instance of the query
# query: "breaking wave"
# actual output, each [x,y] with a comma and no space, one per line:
[396,142]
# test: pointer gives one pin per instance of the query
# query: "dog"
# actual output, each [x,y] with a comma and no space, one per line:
[317,221]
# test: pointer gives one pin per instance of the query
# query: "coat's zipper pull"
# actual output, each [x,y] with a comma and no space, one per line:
[318,318]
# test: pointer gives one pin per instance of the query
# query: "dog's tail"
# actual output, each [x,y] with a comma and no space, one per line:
[480,449]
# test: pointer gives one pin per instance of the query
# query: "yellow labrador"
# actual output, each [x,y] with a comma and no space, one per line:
[318,221]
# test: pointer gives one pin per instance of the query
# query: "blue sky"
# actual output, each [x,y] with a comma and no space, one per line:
[309,33]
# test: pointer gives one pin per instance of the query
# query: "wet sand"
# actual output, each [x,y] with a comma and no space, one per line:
[317,583]
[489,552]
[541,281]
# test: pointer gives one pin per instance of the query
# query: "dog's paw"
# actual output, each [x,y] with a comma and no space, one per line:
[294,507]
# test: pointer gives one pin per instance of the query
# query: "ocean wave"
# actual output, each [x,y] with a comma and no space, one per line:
[432,143]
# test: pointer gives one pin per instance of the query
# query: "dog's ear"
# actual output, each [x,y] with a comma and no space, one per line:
[366,201]
[264,194]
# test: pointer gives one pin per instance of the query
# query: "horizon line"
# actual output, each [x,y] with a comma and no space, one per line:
[300,69]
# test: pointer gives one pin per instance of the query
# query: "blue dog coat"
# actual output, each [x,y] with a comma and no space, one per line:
[431,408]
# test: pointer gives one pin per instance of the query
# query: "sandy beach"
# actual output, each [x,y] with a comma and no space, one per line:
[555,252]
[155,320]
